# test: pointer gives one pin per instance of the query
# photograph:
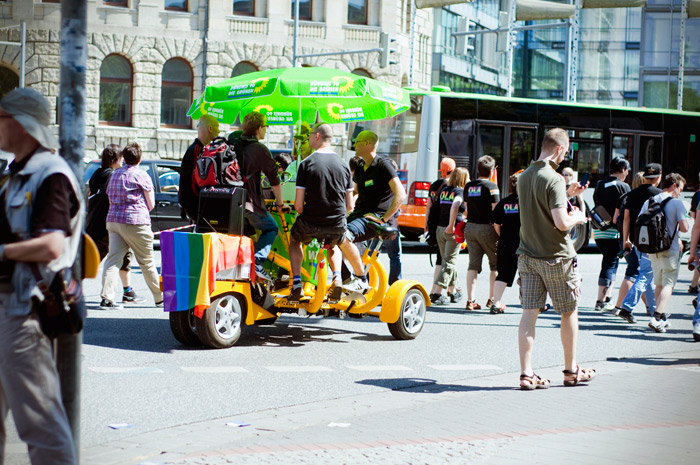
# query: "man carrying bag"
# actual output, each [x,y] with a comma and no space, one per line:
[40,225]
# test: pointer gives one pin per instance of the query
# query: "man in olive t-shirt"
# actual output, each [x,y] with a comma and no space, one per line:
[547,259]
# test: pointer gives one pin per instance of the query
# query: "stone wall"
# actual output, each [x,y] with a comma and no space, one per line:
[147,36]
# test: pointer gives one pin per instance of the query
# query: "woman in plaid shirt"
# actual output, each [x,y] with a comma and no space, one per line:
[131,197]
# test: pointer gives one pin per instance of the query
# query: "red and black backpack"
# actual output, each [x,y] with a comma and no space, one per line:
[218,165]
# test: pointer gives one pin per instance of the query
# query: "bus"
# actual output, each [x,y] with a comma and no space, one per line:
[467,126]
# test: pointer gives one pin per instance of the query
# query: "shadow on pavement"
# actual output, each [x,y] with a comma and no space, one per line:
[657,361]
[426,386]
[139,334]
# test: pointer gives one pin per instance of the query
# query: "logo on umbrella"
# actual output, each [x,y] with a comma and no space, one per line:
[332,87]
[340,113]
[267,108]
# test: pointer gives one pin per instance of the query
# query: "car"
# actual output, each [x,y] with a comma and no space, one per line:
[165,175]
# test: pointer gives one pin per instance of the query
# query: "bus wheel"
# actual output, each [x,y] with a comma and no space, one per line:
[579,236]
[184,327]
[411,317]
[222,323]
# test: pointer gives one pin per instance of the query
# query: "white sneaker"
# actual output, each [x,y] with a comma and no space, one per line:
[657,325]
[356,285]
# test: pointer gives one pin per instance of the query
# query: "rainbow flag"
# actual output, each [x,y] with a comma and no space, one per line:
[190,263]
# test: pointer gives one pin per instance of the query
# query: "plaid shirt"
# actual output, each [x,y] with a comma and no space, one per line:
[127,203]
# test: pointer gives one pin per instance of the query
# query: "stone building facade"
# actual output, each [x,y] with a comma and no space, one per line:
[207,41]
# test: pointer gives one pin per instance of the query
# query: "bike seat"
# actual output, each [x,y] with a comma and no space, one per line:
[385,231]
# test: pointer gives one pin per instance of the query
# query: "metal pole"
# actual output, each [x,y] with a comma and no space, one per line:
[205,46]
[575,31]
[73,63]
[296,28]
[681,54]
[413,43]
[511,45]
[22,52]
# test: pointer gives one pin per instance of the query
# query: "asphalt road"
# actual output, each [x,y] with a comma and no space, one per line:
[135,373]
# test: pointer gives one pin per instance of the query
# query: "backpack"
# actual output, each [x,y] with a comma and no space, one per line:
[218,165]
[651,233]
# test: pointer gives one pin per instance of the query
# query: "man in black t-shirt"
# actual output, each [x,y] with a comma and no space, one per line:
[380,194]
[643,280]
[432,211]
[323,197]
[482,196]
[606,195]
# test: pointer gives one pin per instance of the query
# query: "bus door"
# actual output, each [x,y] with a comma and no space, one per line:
[639,148]
[511,145]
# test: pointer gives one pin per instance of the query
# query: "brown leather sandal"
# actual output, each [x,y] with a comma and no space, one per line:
[581,375]
[528,383]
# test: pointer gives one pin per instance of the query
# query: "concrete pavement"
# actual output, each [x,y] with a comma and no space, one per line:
[641,411]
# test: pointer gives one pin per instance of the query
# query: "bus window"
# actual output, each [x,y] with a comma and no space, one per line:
[491,143]
[397,135]
[522,149]
[588,157]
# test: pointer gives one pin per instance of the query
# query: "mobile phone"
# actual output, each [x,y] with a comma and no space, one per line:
[584,179]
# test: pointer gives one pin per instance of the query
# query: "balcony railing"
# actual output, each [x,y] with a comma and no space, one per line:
[248,25]
[307,29]
[355,33]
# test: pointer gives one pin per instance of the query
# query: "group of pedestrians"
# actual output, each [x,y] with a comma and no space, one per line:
[651,276]
[474,207]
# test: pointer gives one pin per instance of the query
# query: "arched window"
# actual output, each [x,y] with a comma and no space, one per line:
[176,5]
[305,8]
[361,72]
[243,67]
[8,80]
[176,93]
[244,7]
[115,90]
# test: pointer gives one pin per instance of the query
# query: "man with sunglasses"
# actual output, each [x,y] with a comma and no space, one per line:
[257,160]
[379,196]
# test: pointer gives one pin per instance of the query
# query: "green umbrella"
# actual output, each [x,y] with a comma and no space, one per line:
[288,96]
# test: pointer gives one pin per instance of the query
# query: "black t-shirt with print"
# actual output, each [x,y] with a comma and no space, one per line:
[446,197]
[635,200]
[480,194]
[375,195]
[608,192]
[325,177]
[507,214]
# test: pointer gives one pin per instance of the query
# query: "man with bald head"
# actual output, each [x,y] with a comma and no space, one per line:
[323,198]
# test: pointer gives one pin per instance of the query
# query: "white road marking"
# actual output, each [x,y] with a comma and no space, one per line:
[214,369]
[120,370]
[465,367]
[298,369]
[378,368]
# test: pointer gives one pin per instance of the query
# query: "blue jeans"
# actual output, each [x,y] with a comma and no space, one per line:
[609,248]
[696,315]
[632,270]
[644,284]
[268,232]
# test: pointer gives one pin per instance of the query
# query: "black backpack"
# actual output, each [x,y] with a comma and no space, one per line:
[651,233]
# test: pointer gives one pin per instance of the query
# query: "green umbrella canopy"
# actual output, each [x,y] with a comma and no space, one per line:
[288,96]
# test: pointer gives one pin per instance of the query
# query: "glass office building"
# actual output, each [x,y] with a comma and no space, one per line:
[626,56]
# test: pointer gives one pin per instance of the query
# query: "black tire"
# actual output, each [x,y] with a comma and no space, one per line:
[184,327]
[222,323]
[411,317]
[580,235]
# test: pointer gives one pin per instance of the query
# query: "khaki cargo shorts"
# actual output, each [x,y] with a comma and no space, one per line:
[558,277]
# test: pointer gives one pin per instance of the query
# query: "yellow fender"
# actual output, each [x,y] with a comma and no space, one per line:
[254,312]
[391,305]
[91,257]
